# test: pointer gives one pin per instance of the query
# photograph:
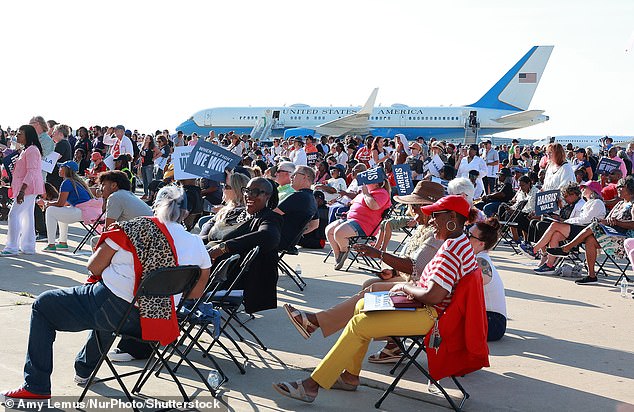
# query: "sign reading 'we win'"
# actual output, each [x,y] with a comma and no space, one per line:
[210,161]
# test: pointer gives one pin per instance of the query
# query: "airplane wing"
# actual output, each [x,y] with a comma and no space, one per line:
[519,116]
[357,122]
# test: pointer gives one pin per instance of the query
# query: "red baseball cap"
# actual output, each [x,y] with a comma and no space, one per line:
[454,202]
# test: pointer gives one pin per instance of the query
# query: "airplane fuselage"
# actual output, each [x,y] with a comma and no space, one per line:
[441,122]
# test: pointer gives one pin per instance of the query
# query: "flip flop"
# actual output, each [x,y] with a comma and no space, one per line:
[298,393]
[341,385]
[302,327]
[386,355]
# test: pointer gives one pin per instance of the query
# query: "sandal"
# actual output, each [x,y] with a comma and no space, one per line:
[302,327]
[341,385]
[299,393]
[386,355]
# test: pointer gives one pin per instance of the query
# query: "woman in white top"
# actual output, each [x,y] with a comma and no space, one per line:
[594,208]
[377,152]
[558,172]
[100,306]
[468,161]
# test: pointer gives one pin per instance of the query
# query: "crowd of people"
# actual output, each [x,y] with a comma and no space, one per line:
[299,188]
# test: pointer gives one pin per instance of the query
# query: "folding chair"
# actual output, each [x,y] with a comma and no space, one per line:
[192,318]
[229,300]
[354,257]
[418,346]
[509,223]
[621,269]
[91,230]
[163,282]
[284,267]
[408,233]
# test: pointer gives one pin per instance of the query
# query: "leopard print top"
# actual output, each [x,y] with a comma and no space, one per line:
[154,251]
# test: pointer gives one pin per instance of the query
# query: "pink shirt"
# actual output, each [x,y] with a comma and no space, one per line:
[28,169]
[367,218]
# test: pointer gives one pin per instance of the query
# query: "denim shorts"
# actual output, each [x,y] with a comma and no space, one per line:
[356,226]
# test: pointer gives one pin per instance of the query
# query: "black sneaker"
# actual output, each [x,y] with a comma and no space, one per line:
[557,251]
[545,270]
[586,280]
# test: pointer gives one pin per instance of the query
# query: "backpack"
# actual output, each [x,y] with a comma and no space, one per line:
[568,271]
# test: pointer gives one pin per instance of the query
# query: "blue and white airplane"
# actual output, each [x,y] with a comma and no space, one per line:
[504,107]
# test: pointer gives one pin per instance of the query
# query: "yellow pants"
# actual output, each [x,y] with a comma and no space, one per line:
[349,351]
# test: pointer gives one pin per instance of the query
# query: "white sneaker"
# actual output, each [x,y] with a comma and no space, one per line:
[118,356]
[80,381]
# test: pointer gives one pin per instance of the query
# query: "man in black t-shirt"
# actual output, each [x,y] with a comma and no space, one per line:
[298,208]
[504,193]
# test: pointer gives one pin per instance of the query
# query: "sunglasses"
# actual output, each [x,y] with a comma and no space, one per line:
[440,212]
[252,192]
[226,186]
[471,235]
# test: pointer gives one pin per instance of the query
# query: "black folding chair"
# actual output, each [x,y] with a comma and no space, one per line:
[91,231]
[284,267]
[354,256]
[410,353]
[508,223]
[622,269]
[408,233]
[163,282]
[191,319]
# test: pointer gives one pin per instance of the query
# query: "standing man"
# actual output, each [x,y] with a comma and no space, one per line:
[492,160]
[118,142]
[298,155]
[41,127]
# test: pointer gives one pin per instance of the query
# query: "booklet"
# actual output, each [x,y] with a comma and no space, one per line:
[610,231]
[373,301]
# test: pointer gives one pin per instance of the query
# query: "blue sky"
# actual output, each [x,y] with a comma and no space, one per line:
[150,65]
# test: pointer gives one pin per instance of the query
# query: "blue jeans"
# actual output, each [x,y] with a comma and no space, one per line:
[87,307]
[147,172]
[333,211]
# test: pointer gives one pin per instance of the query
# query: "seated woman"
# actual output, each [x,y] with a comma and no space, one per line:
[363,218]
[456,258]
[98,166]
[229,215]
[262,228]
[100,306]
[574,201]
[620,218]
[594,208]
[71,206]
[418,252]
[526,194]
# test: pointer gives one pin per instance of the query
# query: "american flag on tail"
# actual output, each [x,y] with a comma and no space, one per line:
[528,77]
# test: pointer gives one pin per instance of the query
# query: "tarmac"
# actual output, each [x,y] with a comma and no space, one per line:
[567,347]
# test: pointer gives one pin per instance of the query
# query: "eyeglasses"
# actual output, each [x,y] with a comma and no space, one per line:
[298,173]
[252,192]
[440,212]
[471,235]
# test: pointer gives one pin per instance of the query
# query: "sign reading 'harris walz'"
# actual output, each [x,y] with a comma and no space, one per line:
[546,202]
[210,161]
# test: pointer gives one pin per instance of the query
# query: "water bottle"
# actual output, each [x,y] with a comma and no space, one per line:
[624,287]
[298,270]
[214,378]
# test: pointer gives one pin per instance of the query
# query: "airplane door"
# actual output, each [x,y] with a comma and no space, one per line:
[402,121]
[208,118]
[276,114]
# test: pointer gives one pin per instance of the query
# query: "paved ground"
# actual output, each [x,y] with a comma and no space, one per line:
[567,347]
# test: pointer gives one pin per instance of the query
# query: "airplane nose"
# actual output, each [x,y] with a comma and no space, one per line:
[547,118]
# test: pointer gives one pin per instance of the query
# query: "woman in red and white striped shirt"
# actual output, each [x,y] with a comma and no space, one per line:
[341,367]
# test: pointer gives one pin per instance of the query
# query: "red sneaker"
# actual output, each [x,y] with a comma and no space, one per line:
[21,393]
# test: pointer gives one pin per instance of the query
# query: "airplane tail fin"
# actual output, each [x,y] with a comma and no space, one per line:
[515,90]
[369,104]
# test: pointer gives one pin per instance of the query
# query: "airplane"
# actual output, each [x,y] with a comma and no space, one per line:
[504,107]
[593,141]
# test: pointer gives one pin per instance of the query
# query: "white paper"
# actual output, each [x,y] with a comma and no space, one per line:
[161,162]
[48,163]
[179,160]
[109,162]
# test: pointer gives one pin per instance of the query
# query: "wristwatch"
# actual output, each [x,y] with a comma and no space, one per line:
[223,247]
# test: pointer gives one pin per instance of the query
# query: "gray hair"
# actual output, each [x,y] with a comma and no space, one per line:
[462,186]
[170,204]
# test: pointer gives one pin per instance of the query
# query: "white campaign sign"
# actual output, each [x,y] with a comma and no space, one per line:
[179,160]
[48,162]
[109,162]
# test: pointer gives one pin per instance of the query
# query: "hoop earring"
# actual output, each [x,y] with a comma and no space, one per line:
[455,226]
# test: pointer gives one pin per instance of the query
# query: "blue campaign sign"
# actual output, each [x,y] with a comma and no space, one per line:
[403,178]
[546,202]
[210,161]
[376,175]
